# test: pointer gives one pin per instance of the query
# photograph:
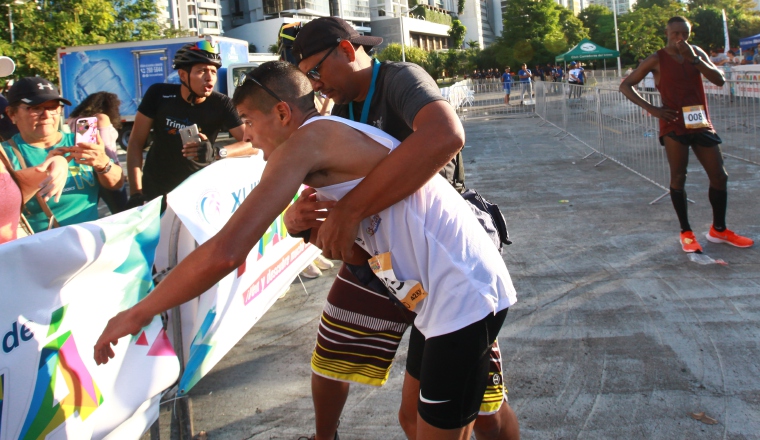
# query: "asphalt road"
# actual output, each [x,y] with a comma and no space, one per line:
[616,333]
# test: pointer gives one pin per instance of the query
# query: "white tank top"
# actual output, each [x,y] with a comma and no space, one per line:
[435,239]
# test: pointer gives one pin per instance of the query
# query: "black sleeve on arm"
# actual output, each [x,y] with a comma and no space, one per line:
[412,89]
[231,118]
[149,103]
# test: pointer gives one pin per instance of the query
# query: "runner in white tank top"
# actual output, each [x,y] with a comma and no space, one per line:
[433,238]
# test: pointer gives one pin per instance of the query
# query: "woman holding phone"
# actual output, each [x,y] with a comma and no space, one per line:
[34,105]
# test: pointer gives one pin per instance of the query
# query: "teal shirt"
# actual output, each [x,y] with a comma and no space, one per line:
[79,200]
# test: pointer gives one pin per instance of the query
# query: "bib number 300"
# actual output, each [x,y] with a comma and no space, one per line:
[695,117]
[410,293]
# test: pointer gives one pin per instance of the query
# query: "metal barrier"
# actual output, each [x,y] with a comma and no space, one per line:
[605,121]
[485,98]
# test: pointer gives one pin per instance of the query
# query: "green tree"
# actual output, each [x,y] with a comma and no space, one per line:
[642,31]
[456,33]
[600,23]
[392,52]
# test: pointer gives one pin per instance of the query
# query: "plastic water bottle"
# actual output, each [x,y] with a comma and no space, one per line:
[99,76]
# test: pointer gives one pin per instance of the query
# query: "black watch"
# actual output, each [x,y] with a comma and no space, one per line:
[696,60]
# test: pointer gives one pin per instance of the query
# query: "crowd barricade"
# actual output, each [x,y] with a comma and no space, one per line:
[609,124]
[76,277]
[485,98]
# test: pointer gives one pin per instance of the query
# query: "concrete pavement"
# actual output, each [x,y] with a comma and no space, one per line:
[616,334]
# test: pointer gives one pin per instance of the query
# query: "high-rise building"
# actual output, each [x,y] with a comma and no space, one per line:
[199,17]
[623,6]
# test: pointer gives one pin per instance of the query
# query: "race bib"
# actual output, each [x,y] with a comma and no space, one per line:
[408,292]
[695,117]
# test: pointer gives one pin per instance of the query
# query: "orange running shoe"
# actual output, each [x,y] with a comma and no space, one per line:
[689,242]
[728,236]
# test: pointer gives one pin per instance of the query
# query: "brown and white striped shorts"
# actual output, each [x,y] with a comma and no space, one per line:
[359,334]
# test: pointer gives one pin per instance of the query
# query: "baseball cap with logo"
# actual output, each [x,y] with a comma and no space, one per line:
[326,32]
[34,91]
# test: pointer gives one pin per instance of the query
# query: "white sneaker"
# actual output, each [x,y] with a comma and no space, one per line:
[323,263]
[311,271]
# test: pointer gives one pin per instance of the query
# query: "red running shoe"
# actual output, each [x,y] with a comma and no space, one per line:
[689,242]
[728,236]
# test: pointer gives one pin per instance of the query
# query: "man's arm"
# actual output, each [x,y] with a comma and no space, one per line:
[438,136]
[219,256]
[137,140]
[705,66]
[628,88]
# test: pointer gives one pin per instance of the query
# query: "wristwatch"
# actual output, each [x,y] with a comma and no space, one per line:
[222,153]
[696,60]
[107,168]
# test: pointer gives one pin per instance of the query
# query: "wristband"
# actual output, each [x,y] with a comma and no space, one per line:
[107,168]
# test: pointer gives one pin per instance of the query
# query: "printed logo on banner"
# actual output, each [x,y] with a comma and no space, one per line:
[64,388]
[210,206]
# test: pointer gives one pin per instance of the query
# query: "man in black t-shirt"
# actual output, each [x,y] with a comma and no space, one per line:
[168,107]
[360,331]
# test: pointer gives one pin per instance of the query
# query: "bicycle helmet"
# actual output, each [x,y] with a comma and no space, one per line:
[202,52]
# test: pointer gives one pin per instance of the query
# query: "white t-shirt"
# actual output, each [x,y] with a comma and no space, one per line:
[435,239]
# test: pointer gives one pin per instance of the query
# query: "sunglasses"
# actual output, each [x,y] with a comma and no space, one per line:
[266,89]
[207,46]
[314,72]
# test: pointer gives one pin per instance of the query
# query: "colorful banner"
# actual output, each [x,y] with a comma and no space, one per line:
[59,288]
[225,313]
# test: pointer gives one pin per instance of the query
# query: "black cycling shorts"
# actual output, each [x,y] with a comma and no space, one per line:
[453,371]
[703,139]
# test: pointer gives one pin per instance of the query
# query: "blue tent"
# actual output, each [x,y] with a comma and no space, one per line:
[749,42]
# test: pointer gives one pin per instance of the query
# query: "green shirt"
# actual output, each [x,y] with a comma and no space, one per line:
[79,200]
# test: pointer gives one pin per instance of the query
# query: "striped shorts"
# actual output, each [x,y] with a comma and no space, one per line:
[359,334]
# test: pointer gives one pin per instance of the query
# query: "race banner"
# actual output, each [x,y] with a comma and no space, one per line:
[226,312]
[58,290]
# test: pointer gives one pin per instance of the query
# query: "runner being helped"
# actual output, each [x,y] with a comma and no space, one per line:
[685,122]
[429,249]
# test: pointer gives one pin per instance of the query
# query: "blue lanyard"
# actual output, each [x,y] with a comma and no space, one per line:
[368,99]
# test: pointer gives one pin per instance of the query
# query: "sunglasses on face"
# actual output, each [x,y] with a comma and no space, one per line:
[38,110]
[266,89]
[314,72]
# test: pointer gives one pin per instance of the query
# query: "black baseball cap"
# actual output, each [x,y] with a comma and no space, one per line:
[34,91]
[326,32]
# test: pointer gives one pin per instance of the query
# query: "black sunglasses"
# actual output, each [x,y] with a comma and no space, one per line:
[266,89]
[314,72]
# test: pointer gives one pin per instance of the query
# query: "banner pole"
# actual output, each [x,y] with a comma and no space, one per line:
[182,410]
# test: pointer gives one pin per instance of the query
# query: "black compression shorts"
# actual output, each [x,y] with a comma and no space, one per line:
[703,139]
[453,371]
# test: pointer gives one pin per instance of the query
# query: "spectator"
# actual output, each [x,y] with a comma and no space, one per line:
[105,107]
[732,59]
[747,58]
[167,107]
[506,80]
[718,58]
[525,82]
[35,108]
[575,79]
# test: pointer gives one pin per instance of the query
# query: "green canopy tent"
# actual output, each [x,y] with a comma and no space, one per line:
[587,50]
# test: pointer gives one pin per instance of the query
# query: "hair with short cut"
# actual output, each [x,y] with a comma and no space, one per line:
[284,79]
[679,19]
[99,102]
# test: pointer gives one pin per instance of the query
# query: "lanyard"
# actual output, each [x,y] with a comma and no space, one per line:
[368,99]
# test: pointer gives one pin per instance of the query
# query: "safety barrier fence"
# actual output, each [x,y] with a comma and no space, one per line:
[609,124]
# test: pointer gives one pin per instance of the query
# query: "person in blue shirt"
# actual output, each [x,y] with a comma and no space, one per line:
[525,79]
[506,79]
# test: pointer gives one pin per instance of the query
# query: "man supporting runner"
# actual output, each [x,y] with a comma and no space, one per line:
[165,109]
[420,247]
[685,121]
[360,330]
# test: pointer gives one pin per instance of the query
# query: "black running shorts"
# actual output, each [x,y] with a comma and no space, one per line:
[453,370]
[702,139]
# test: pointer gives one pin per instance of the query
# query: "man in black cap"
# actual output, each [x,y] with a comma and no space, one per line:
[360,331]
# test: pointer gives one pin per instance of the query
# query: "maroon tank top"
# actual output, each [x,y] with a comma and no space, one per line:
[680,86]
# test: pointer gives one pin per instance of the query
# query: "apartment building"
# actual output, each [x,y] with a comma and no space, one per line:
[199,17]
[623,6]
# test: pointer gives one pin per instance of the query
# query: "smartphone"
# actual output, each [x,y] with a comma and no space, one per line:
[86,130]
[189,134]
